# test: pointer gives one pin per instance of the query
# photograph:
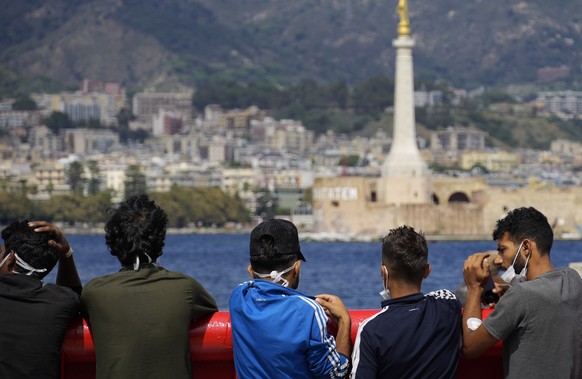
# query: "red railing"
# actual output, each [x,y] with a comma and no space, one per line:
[211,348]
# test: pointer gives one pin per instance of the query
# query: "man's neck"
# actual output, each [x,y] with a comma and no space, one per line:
[399,289]
[539,266]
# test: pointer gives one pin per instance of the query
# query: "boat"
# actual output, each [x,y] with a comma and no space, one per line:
[211,350]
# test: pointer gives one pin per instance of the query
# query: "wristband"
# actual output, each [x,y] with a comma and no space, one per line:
[69,253]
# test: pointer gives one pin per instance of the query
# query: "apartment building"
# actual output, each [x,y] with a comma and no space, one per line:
[148,104]
[457,139]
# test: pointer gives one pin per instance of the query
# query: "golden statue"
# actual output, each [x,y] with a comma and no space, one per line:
[403,25]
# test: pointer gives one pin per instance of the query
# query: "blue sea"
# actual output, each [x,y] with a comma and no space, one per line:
[350,270]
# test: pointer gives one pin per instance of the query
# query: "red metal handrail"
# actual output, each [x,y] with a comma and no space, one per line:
[211,349]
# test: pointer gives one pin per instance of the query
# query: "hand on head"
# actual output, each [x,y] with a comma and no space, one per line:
[59,243]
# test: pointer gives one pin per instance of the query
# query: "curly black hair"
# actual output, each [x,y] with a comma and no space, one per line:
[136,227]
[405,252]
[526,223]
[32,247]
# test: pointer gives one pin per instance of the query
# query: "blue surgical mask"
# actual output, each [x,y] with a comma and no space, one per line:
[509,276]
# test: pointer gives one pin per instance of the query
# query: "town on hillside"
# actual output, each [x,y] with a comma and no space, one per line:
[97,139]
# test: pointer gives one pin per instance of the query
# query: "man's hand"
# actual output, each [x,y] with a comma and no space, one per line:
[337,311]
[67,275]
[476,270]
[59,243]
[476,273]
[334,307]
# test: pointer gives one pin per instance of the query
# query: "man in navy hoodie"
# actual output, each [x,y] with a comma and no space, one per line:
[278,332]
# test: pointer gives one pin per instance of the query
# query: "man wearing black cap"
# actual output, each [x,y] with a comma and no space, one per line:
[277,331]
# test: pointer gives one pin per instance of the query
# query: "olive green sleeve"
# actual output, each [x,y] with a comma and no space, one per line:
[202,302]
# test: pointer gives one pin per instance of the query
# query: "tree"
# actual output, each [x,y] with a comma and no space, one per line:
[75,179]
[94,182]
[123,118]
[15,206]
[135,182]
[76,208]
[338,94]
[58,120]
[374,94]
[24,104]
[266,203]
[201,206]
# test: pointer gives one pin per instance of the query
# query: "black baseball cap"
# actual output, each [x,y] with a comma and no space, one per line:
[284,234]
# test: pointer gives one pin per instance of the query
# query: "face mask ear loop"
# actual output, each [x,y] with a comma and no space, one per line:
[277,276]
[5,259]
[516,254]
[28,267]
[136,263]
[524,269]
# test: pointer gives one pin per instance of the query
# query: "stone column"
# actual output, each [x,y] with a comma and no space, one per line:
[405,176]
[404,159]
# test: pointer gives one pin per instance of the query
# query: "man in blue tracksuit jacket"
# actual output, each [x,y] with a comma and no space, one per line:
[278,332]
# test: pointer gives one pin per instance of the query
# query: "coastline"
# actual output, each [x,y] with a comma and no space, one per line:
[303,236]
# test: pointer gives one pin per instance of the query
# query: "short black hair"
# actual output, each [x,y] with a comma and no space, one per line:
[268,258]
[136,227]
[405,254]
[526,223]
[32,247]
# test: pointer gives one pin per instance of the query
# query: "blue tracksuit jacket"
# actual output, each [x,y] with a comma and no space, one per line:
[281,333]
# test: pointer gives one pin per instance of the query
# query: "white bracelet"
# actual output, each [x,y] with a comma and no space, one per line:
[69,253]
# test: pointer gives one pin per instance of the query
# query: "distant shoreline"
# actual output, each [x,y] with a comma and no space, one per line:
[303,236]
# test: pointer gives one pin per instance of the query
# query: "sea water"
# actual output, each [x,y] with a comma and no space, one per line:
[350,270]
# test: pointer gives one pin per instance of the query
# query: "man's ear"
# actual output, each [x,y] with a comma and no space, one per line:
[427,271]
[383,273]
[297,268]
[250,271]
[528,247]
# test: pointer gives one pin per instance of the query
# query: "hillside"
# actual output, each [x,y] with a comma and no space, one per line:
[166,42]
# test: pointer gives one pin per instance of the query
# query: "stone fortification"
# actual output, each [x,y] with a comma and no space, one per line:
[460,208]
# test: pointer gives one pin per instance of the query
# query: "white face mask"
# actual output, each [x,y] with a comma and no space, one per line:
[385,293]
[277,276]
[509,276]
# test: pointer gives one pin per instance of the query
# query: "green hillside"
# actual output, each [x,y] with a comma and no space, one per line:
[168,42]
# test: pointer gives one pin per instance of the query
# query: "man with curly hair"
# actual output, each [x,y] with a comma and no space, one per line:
[140,316]
[35,317]
[414,335]
[539,316]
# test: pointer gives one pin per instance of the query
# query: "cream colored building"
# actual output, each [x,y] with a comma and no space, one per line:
[84,106]
[492,160]
[460,208]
